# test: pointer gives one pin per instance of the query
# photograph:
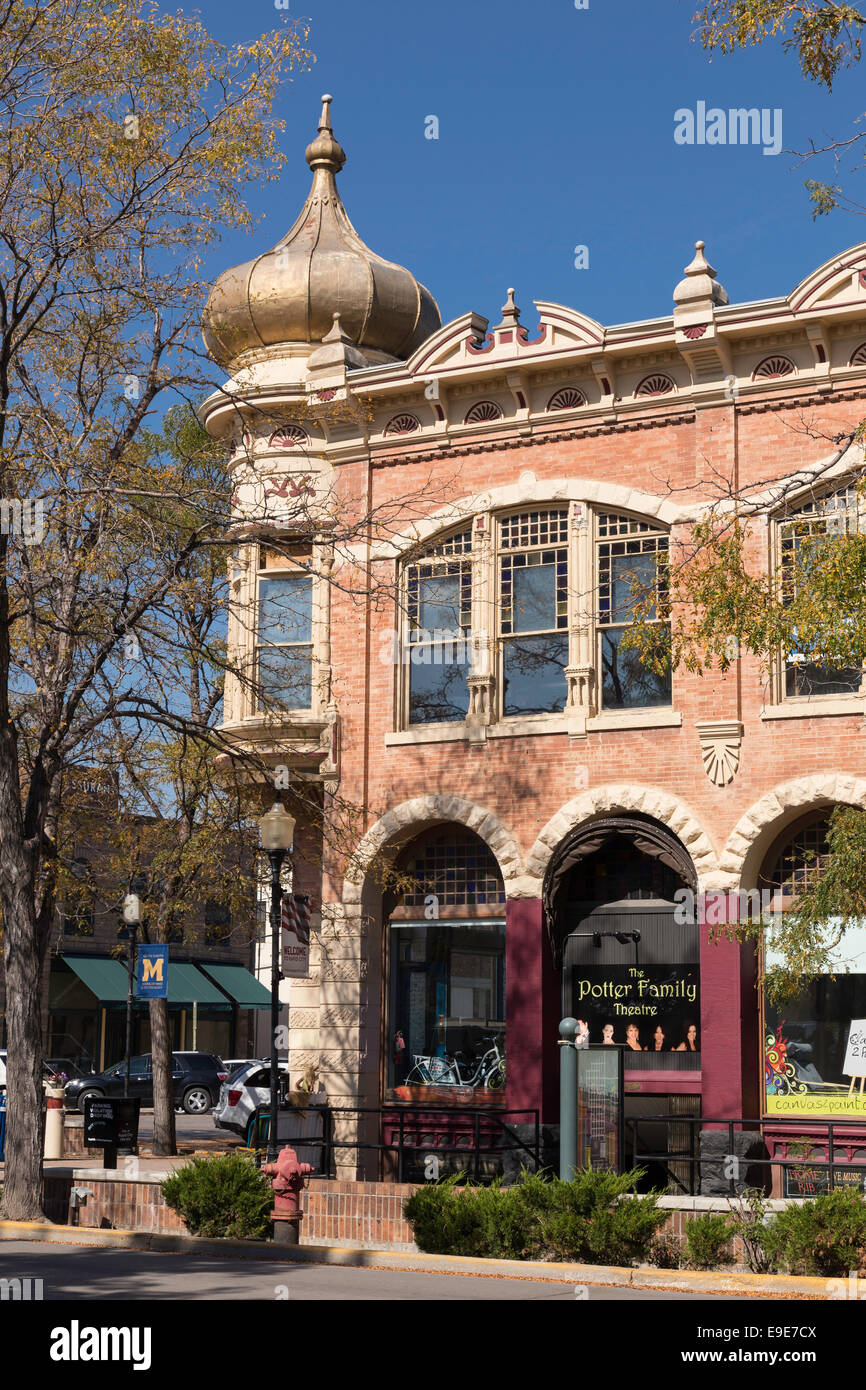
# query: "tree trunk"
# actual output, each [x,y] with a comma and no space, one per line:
[164,1137]
[22,1180]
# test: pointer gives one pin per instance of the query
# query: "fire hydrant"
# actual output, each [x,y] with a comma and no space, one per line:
[287,1179]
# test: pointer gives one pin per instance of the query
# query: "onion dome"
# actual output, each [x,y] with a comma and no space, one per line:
[320,268]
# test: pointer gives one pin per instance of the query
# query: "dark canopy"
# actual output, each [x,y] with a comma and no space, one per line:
[647,836]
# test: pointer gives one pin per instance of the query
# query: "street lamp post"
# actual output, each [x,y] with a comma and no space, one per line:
[132,917]
[276,830]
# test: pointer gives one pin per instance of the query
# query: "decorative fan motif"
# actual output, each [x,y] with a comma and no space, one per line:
[720,750]
[402,424]
[773,367]
[326,395]
[481,411]
[656,385]
[858,356]
[289,437]
[697,330]
[567,398]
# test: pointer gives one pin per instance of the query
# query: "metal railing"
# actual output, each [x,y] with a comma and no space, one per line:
[686,1168]
[480,1135]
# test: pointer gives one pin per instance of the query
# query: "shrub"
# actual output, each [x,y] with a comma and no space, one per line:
[589,1219]
[225,1195]
[708,1241]
[666,1251]
[826,1235]
[750,1219]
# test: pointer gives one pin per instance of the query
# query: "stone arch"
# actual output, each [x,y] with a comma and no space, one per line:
[532,491]
[755,831]
[652,802]
[411,817]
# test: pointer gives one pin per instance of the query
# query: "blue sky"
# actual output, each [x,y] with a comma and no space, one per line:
[556,129]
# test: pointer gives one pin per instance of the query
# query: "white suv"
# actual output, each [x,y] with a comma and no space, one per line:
[242,1094]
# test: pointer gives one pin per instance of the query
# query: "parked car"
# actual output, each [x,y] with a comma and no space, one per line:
[52,1067]
[197,1077]
[234,1064]
[242,1094]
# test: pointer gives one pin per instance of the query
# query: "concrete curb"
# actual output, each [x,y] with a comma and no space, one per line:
[737,1282]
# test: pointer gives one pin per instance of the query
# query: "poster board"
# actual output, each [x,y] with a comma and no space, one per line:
[855,1049]
[600,1108]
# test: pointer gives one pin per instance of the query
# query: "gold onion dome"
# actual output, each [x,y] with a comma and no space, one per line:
[320,268]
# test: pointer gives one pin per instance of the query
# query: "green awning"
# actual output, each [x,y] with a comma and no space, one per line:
[186,985]
[104,977]
[239,984]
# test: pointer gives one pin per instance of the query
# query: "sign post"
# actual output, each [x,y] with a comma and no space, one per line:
[110,1125]
[567,1099]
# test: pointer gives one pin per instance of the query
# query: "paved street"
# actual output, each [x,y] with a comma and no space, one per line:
[71,1272]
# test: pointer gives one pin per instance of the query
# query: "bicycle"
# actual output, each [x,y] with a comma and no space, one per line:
[489,1070]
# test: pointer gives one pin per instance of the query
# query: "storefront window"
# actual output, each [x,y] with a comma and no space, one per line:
[448,998]
[806,1038]
[446,941]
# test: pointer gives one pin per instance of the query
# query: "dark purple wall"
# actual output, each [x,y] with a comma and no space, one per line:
[532,1011]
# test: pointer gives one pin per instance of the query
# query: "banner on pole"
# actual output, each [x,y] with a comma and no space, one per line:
[295,935]
[152,974]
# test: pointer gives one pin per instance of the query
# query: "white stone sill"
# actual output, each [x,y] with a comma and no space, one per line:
[528,728]
[808,710]
[646,719]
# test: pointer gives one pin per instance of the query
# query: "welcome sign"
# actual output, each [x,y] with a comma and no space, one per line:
[646,1008]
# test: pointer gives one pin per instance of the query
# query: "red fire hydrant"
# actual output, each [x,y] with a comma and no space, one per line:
[287,1179]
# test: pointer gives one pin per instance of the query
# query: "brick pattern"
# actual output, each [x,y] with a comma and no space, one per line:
[367,1215]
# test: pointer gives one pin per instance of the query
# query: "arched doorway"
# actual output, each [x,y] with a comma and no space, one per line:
[630,961]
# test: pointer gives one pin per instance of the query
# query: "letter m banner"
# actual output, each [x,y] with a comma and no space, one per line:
[152,974]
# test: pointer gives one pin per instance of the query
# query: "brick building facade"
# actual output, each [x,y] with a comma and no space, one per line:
[540,792]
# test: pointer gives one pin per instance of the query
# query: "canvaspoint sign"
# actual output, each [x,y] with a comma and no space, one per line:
[647,1008]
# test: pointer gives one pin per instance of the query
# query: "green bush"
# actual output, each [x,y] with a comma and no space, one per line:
[589,1219]
[708,1241]
[225,1195]
[826,1235]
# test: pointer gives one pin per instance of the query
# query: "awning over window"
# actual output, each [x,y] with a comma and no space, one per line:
[104,977]
[239,984]
[187,985]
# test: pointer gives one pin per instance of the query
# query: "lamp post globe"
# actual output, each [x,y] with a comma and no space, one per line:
[277,829]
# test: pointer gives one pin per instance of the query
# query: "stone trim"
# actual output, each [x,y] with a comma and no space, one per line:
[614,496]
[422,811]
[754,831]
[651,801]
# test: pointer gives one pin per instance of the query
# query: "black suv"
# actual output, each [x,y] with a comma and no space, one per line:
[197,1078]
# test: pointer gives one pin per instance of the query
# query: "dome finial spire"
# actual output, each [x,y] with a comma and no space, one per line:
[325,152]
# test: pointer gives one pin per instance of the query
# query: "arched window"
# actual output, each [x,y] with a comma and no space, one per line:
[522,615]
[801,529]
[632,582]
[437,628]
[446,967]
